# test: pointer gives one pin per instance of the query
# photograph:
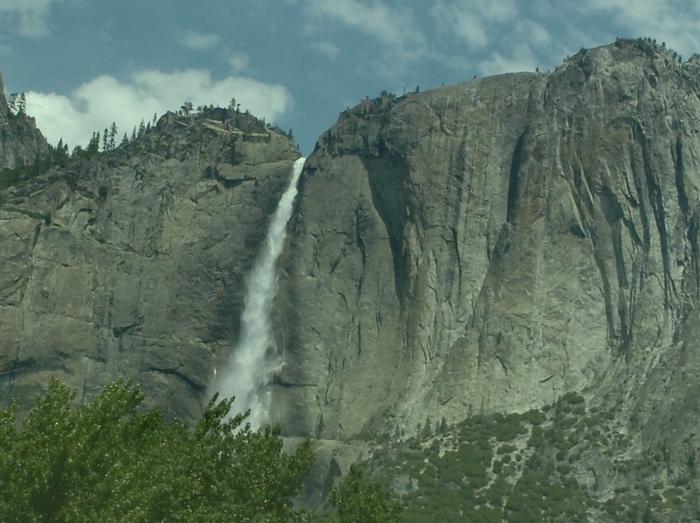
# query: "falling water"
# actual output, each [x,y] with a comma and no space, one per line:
[248,371]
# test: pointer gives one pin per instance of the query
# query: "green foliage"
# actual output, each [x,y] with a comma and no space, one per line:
[112,460]
[10,177]
[55,157]
[360,500]
[93,146]
[497,468]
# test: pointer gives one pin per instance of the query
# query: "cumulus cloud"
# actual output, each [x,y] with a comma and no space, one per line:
[198,41]
[326,49]
[97,103]
[673,21]
[460,21]
[471,21]
[26,17]
[534,32]
[390,26]
[239,61]
[522,59]
[394,28]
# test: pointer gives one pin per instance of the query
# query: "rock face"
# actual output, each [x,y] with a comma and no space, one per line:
[131,264]
[479,248]
[490,246]
[21,143]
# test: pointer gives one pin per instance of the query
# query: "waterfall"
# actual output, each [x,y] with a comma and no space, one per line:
[248,371]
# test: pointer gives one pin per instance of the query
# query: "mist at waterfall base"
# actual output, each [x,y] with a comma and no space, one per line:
[248,371]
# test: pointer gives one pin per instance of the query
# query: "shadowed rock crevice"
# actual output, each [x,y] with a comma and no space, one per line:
[387,182]
[514,178]
[657,204]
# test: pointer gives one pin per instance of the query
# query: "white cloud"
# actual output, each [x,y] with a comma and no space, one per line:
[476,22]
[498,10]
[198,41]
[95,104]
[470,21]
[326,49]
[460,21]
[522,59]
[239,61]
[390,26]
[396,29]
[28,16]
[397,39]
[673,21]
[534,32]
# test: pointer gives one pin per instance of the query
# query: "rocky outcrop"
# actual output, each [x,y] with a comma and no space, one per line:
[490,246]
[21,143]
[131,264]
[486,248]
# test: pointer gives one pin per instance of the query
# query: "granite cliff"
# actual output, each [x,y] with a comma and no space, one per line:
[21,143]
[131,263]
[491,246]
[488,248]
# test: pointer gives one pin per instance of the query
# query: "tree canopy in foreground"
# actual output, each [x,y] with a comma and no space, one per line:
[113,460]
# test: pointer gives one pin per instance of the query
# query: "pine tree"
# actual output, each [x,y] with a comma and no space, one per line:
[358,498]
[105,140]
[113,136]
[61,153]
[94,145]
[12,102]
[155,118]
[125,140]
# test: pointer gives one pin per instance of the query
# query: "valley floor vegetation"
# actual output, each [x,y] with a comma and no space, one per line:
[542,465]
[114,460]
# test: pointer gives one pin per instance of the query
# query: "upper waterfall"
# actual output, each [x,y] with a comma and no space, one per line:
[246,374]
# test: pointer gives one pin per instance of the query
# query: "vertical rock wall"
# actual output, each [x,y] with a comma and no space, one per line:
[21,143]
[492,245]
[132,264]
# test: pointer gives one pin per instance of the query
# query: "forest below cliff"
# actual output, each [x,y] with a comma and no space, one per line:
[112,460]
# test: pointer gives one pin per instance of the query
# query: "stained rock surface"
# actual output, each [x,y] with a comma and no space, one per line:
[489,246]
[478,248]
[21,143]
[132,264]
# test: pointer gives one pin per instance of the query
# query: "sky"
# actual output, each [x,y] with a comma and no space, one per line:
[298,63]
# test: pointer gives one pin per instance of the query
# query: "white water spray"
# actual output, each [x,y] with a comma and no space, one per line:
[247,373]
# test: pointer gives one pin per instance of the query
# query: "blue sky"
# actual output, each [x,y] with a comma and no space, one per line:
[298,63]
